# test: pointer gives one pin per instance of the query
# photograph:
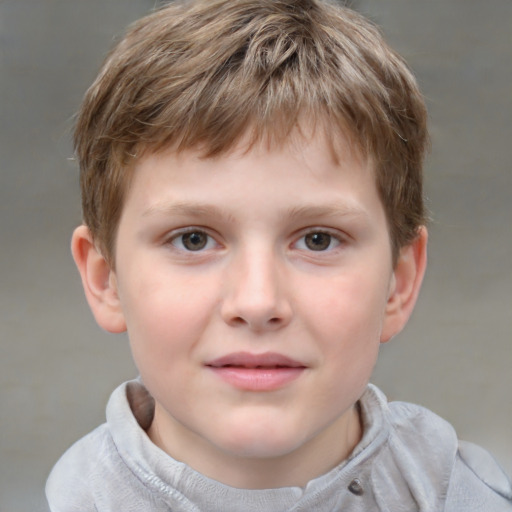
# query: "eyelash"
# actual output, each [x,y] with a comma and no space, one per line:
[177,239]
[334,240]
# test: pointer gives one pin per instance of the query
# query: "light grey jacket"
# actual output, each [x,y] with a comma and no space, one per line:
[409,460]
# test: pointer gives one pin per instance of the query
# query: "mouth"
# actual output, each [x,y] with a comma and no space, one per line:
[255,361]
[256,372]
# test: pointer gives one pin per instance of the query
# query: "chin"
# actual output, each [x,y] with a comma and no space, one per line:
[259,443]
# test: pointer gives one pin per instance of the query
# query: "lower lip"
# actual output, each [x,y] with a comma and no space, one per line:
[258,379]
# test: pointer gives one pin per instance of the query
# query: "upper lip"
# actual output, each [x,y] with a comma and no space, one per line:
[249,360]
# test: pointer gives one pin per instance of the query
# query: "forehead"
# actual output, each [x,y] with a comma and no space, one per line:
[302,173]
[336,145]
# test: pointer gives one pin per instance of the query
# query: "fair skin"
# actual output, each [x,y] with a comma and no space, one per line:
[256,288]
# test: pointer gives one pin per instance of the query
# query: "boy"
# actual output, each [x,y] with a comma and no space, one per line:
[253,217]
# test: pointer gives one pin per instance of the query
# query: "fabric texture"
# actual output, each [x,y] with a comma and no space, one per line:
[409,460]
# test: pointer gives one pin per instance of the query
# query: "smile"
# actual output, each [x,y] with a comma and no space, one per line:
[256,372]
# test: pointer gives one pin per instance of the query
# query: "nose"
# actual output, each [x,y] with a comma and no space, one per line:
[256,293]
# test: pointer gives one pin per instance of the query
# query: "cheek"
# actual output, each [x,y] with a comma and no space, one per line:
[348,308]
[345,320]
[165,318]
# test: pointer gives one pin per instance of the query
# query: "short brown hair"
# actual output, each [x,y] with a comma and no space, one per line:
[203,73]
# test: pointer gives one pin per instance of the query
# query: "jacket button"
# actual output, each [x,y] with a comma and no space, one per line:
[356,488]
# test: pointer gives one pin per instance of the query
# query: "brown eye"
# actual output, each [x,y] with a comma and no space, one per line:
[194,241]
[318,241]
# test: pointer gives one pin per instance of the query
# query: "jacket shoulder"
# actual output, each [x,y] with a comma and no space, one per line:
[478,482]
[70,483]
[413,469]
[463,475]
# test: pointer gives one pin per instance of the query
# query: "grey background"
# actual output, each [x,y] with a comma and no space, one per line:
[57,368]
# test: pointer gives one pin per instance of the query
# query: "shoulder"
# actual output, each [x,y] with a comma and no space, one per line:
[440,472]
[412,471]
[93,475]
[70,483]
[108,469]
[478,482]
[422,439]
[414,423]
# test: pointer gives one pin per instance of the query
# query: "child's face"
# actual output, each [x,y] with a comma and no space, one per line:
[256,289]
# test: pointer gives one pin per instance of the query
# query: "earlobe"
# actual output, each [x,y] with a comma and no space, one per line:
[98,280]
[405,286]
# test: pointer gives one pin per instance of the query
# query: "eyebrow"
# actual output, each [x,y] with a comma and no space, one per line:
[327,210]
[203,210]
[186,209]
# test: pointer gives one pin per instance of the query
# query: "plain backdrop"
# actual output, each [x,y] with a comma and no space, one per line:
[57,368]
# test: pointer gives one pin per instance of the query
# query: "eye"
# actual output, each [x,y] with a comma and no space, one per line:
[195,240]
[318,241]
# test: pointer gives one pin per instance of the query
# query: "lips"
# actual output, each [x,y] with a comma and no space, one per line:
[248,360]
[256,372]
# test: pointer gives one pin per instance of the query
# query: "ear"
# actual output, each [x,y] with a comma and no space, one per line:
[98,280]
[405,285]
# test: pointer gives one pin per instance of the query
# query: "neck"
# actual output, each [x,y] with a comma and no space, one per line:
[312,459]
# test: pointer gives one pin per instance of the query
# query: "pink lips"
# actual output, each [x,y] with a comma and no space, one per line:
[256,372]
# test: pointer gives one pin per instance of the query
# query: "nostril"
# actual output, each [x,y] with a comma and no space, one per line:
[238,320]
[271,322]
